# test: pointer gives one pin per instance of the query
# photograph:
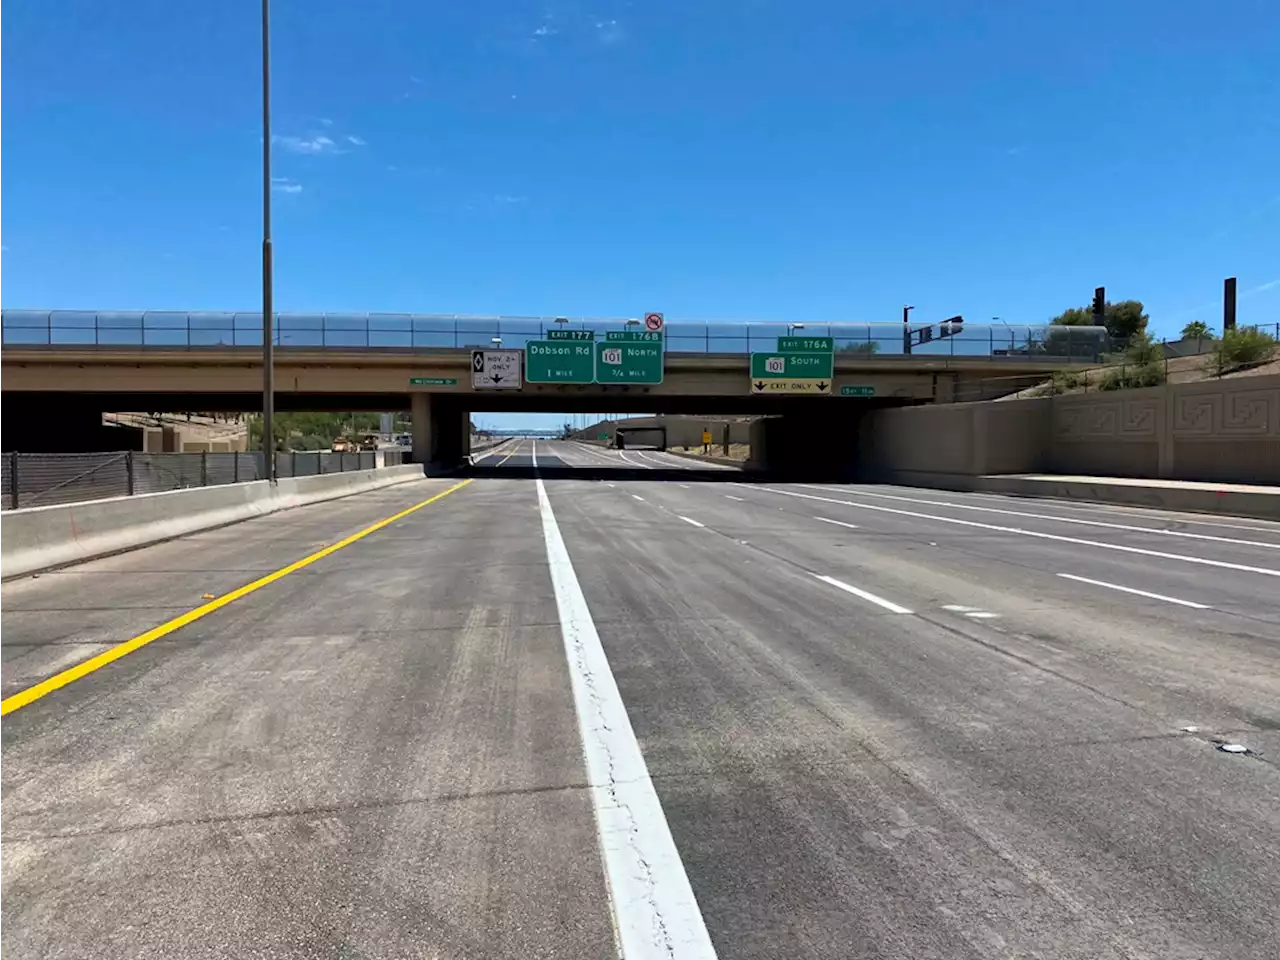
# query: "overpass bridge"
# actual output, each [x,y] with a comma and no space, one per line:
[73,366]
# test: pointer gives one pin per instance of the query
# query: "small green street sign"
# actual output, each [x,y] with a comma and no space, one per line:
[555,361]
[433,381]
[629,361]
[857,391]
[602,436]
[806,345]
[648,335]
[571,334]
[791,366]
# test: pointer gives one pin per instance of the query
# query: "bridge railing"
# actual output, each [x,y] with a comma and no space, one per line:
[204,330]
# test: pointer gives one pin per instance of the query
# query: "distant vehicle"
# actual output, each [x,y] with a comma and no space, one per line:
[404,440]
[343,445]
[368,441]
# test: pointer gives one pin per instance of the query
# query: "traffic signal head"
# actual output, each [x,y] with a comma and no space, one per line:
[951,326]
[1100,302]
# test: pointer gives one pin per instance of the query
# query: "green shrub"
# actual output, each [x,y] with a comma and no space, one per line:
[1241,347]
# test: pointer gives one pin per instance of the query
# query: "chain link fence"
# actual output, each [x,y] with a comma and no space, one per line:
[43,479]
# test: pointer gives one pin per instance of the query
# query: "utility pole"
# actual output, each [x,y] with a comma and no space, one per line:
[1228,304]
[268,332]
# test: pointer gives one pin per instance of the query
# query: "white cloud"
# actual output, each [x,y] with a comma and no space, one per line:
[608,31]
[316,144]
[285,185]
[1269,285]
[413,79]
[356,141]
[506,198]
[545,30]
[326,122]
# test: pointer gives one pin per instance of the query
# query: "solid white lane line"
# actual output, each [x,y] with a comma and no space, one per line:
[838,523]
[683,485]
[1221,564]
[690,520]
[982,615]
[1141,593]
[959,608]
[1150,513]
[1056,519]
[534,454]
[739,499]
[654,910]
[634,497]
[634,463]
[850,588]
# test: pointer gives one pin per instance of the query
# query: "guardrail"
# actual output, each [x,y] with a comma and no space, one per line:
[44,479]
[195,330]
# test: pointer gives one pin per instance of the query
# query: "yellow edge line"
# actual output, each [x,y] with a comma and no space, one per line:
[71,674]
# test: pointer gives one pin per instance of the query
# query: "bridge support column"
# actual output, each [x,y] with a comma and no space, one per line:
[441,432]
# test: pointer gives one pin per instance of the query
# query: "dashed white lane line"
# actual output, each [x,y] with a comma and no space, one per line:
[654,910]
[739,499]
[636,497]
[1038,534]
[865,595]
[838,523]
[1140,593]
[683,486]
[690,520]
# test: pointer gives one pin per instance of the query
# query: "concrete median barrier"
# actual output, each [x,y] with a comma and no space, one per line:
[40,538]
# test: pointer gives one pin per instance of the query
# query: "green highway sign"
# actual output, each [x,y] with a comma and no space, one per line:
[602,436]
[558,361]
[806,345]
[649,335]
[629,361]
[792,366]
[858,391]
[571,335]
[433,381]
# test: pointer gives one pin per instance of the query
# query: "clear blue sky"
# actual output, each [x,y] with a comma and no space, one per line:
[752,159]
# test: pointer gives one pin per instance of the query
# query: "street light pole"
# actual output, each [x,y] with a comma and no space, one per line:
[268,333]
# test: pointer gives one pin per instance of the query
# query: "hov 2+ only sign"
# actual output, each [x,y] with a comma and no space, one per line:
[496,369]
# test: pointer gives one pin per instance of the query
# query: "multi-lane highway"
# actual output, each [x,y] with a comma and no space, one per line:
[594,702]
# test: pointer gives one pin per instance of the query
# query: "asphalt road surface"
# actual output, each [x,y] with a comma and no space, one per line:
[595,703]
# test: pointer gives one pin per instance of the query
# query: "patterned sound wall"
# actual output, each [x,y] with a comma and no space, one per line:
[1221,430]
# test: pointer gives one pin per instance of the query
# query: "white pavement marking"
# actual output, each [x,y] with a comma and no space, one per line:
[849,588]
[634,463]
[683,485]
[655,913]
[690,520]
[739,499]
[1221,564]
[982,615]
[1141,593]
[1044,516]
[959,608]
[838,523]
[637,497]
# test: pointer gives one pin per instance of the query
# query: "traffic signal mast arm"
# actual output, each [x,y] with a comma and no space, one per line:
[922,335]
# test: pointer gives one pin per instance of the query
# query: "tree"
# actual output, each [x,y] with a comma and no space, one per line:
[1197,330]
[1123,319]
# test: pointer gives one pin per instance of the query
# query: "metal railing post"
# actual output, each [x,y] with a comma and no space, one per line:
[13,480]
[235,466]
[204,468]
[129,473]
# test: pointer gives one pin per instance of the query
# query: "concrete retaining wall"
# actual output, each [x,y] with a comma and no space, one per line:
[39,538]
[1224,431]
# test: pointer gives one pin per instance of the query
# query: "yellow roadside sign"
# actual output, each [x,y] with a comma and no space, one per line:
[706,436]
